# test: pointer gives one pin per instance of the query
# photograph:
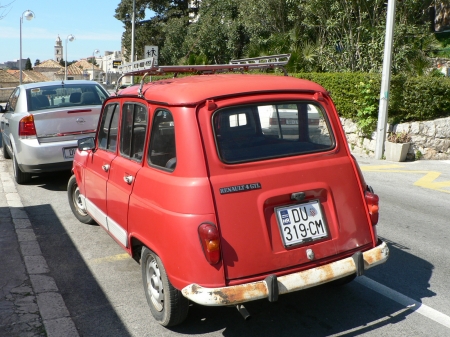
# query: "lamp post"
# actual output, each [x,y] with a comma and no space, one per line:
[96,51]
[69,38]
[29,15]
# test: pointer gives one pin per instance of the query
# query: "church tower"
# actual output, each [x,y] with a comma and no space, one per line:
[58,49]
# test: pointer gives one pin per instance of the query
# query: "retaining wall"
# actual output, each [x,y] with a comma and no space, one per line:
[429,140]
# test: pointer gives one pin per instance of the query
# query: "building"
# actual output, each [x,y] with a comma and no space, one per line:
[49,68]
[109,64]
[59,51]
[28,76]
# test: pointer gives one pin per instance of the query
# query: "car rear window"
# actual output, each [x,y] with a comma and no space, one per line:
[257,132]
[67,95]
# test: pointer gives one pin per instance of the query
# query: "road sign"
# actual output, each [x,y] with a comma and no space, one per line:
[151,51]
[116,63]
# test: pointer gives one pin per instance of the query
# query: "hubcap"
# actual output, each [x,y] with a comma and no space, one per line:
[78,202]
[155,287]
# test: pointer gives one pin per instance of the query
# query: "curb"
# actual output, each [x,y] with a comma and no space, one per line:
[52,309]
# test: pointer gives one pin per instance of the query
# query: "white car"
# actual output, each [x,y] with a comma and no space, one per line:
[42,123]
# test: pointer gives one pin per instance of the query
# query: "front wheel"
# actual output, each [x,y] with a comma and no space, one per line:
[76,202]
[168,306]
[19,176]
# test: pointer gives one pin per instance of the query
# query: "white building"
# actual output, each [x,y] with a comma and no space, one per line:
[109,64]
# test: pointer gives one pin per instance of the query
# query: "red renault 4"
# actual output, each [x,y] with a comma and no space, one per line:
[227,188]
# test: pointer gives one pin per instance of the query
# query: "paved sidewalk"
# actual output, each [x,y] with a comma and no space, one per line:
[30,303]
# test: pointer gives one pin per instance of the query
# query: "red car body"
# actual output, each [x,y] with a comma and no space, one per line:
[234,194]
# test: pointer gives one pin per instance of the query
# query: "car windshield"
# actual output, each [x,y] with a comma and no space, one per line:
[256,132]
[67,95]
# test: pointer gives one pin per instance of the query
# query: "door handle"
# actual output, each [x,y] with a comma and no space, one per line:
[128,179]
[106,167]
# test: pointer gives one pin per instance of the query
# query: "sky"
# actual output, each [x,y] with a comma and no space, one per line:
[91,22]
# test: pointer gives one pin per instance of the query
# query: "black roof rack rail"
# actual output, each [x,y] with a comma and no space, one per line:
[146,67]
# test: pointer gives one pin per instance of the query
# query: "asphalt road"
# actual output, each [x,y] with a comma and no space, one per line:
[407,296]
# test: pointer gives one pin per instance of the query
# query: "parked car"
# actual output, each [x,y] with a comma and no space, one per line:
[184,177]
[43,121]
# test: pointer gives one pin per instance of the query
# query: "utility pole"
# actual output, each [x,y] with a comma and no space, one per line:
[385,80]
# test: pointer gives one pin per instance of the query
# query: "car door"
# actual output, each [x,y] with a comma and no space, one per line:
[10,108]
[99,164]
[124,168]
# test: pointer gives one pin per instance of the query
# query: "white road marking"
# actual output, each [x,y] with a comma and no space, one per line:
[418,307]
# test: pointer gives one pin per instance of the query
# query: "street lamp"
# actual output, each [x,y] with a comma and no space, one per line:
[69,38]
[96,51]
[29,15]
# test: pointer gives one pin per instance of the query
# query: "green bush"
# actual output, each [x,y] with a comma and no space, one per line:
[410,99]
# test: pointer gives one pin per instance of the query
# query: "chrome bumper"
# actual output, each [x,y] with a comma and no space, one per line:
[288,283]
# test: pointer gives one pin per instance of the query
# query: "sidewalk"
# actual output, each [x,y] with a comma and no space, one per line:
[30,303]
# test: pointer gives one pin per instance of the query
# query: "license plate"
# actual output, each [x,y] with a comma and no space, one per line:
[301,223]
[69,152]
[292,121]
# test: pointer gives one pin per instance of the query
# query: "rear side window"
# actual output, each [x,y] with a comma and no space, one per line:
[133,131]
[257,132]
[162,152]
[12,102]
[107,134]
[67,95]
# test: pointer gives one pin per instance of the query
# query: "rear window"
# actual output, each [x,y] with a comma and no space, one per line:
[67,95]
[257,132]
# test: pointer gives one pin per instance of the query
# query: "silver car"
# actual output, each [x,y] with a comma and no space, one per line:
[42,123]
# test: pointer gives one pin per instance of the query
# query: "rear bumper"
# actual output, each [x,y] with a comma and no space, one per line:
[35,157]
[288,283]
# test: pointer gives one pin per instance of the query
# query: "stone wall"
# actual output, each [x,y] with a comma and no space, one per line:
[429,140]
[5,93]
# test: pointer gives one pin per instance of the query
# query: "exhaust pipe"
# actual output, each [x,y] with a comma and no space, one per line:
[245,314]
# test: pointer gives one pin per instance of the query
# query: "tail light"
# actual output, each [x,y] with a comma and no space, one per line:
[210,241]
[26,127]
[274,121]
[372,201]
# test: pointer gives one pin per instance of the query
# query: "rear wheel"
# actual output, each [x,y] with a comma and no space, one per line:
[168,306]
[19,176]
[5,150]
[76,202]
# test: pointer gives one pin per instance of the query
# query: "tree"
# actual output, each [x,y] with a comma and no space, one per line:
[38,62]
[4,9]
[28,65]
[148,31]
[92,60]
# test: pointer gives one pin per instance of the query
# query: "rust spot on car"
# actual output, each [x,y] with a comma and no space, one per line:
[240,293]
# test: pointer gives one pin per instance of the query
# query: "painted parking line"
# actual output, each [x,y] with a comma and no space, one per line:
[409,303]
[427,181]
[113,258]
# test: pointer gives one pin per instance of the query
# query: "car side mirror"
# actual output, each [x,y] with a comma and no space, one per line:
[86,144]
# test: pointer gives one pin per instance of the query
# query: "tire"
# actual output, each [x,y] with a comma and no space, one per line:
[5,150]
[168,306]
[19,176]
[75,202]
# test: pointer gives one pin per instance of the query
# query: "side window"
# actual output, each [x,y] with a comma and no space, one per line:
[12,102]
[161,151]
[133,130]
[107,134]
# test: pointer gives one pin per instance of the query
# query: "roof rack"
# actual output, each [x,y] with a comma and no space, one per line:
[146,67]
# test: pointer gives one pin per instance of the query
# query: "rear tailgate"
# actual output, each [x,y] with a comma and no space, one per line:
[60,124]
[327,221]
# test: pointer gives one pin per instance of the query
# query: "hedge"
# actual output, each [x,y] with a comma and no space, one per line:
[410,99]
